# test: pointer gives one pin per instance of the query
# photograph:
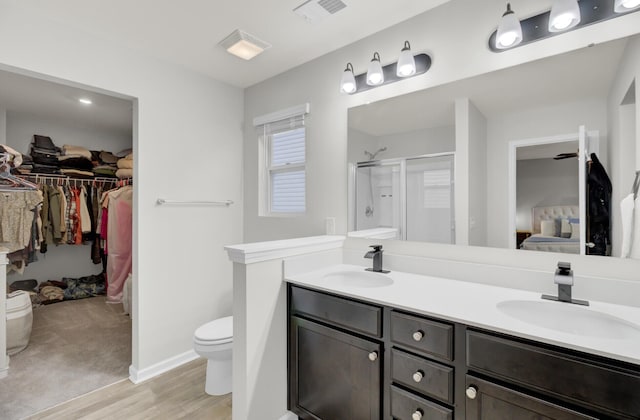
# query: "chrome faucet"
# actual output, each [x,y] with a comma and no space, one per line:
[376,255]
[564,279]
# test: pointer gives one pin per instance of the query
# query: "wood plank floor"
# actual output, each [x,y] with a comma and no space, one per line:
[176,394]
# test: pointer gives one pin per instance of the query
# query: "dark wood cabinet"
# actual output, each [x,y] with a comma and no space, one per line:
[489,401]
[349,359]
[333,374]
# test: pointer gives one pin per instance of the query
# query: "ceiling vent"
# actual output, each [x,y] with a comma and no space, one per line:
[316,10]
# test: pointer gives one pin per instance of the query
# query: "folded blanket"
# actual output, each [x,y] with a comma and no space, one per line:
[75,163]
[124,173]
[125,163]
[108,157]
[76,151]
[76,173]
[105,170]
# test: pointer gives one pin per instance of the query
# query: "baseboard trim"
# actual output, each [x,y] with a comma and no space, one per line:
[136,376]
[289,416]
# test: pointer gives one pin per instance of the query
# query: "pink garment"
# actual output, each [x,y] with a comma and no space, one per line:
[119,236]
[104,223]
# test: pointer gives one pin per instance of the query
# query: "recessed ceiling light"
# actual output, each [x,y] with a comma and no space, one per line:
[244,45]
[85,101]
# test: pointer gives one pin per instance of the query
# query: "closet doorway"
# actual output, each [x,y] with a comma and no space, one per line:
[69,322]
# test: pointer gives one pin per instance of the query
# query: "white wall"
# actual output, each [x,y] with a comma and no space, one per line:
[528,124]
[187,145]
[456,54]
[3,126]
[624,126]
[22,126]
[477,177]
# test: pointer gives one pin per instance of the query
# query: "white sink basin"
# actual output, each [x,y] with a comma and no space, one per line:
[358,279]
[570,318]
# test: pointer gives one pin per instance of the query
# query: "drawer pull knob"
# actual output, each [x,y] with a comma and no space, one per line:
[418,335]
[373,356]
[417,377]
[472,392]
[417,415]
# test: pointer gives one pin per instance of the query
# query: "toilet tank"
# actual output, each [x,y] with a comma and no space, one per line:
[19,321]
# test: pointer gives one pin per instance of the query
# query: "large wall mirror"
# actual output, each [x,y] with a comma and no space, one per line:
[518,158]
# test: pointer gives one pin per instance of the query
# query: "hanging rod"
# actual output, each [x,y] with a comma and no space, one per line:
[72,180]
[161,201]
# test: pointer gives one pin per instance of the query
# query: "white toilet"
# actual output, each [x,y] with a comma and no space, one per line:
[214,341]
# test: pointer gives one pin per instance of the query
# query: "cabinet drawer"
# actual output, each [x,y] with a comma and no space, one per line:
[491,401]
[423,335]
[589,383]
[426,377]
[404,404]
[356,316]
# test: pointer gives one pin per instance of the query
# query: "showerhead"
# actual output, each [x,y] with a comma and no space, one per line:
[373,155]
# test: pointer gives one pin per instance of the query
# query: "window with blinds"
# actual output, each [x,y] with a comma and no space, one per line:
[287,171]
[282,171]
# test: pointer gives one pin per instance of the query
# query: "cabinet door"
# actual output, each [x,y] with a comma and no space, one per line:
[488,401]
[334,376]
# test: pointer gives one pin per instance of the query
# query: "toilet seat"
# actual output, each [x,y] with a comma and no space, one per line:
[219,331]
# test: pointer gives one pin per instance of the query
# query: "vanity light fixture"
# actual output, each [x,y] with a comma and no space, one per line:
[564,16]
[622,6]
[509,30]
[375,75]
[406,63]
[348,82]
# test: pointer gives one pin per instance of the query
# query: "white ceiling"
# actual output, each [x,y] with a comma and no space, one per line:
[58,102]
[187,32]
[579,75]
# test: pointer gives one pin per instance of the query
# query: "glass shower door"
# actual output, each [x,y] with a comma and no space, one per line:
[430,199]
[378,196]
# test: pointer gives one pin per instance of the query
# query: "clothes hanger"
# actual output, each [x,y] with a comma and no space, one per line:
[14,183]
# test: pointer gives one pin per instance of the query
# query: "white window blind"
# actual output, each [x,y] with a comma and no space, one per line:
[437,189]
[283,183]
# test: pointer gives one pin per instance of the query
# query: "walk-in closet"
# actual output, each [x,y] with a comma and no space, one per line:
[66,206]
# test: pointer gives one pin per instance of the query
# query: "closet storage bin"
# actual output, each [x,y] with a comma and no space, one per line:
[19,321]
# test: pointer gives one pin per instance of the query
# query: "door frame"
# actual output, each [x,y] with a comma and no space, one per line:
[590,144]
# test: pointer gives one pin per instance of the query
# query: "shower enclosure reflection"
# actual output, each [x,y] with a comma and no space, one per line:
[404,198]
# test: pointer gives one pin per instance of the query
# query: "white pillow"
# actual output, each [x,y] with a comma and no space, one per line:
[575,230]
[548,227]
[565,228]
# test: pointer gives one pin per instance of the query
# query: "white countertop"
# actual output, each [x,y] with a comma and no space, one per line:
[475,305]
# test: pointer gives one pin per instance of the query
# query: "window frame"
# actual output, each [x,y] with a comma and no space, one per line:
[296,115]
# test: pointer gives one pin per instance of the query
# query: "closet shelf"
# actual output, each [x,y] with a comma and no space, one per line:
[52,179]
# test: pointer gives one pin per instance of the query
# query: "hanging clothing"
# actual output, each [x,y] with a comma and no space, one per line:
[598,209]
[16,217]
[119,237]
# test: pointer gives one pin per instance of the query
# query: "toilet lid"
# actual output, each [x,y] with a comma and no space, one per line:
[218,330]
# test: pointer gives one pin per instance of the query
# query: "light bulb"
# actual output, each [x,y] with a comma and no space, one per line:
[406,65]
[509,32]
[565,14]
[348,81]
[622,6]
[375,76]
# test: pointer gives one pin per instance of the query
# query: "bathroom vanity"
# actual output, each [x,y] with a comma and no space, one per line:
[370,346]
